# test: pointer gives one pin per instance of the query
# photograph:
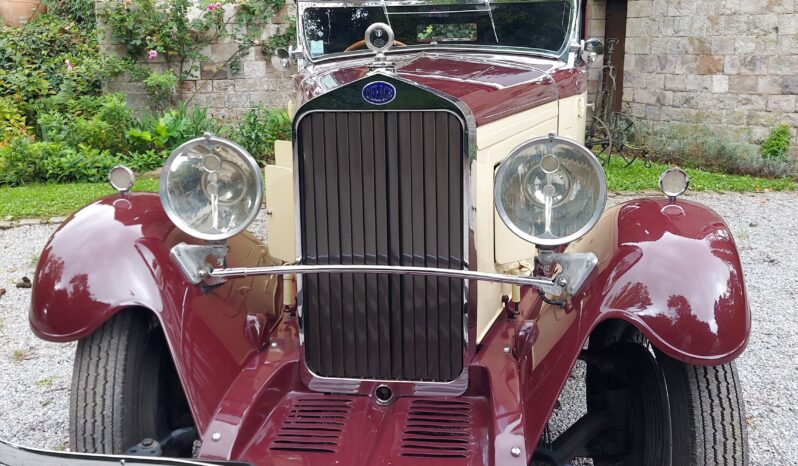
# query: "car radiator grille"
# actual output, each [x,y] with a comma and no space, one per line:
[382,188]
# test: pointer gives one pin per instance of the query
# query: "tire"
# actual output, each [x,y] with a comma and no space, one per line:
[123,387]
[702,405]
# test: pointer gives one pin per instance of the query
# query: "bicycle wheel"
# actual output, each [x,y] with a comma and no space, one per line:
[598,139]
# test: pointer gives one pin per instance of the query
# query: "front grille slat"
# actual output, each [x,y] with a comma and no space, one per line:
[382,188]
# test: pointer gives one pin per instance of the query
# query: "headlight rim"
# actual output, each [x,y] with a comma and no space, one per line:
[178,221]
[500,175]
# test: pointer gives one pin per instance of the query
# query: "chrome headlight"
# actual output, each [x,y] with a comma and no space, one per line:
[550,191]
[211,188]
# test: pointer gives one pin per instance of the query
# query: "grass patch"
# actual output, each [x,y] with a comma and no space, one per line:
[44,383]
[56,200]
[639,178]
[21,355]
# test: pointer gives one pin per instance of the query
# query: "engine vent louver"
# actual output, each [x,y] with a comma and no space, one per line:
[438,429]
[313,425]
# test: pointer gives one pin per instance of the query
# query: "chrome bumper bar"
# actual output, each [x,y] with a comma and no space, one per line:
[575,268]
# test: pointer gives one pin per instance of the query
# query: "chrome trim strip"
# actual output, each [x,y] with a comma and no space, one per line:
[544,284]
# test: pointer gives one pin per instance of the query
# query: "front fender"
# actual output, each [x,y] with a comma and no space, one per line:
[114,255]
[672,270]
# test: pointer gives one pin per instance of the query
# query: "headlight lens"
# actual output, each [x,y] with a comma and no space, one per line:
[211,188]
[550,191]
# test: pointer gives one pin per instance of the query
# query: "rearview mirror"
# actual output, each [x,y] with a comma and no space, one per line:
[282,61]
[590,50]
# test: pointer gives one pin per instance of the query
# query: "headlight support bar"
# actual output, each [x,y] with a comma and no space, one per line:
[575,268]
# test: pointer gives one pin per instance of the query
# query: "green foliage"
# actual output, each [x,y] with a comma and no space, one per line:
[258,129]
[12,120]
[711,148]
[81,12]
[281,40]
[161,89]
[162,29]
[24,161]
[638,177]
[166,131]
[48,56]
[777,145]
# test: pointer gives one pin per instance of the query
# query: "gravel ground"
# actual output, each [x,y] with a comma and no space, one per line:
[35,375]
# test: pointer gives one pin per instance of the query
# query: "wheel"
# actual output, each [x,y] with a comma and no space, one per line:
[628,139]
[125,389]
[665,411]
[598,139]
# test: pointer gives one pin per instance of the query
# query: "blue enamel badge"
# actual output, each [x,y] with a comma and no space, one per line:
[379,93]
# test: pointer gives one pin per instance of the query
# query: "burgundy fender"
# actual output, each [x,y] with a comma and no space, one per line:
[670,269]
[673,271]
[114,255]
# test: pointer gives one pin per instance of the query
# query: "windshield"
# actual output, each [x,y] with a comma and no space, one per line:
[531,24]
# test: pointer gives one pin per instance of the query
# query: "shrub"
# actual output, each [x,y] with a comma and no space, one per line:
[79,11]
[258,129]
[710,148]
[777,145]
[48,56]
[161,89]
[168,130]
[12,120]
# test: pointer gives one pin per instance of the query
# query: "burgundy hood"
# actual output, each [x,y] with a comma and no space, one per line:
[492,86]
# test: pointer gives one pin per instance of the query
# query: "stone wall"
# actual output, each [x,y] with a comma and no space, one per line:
[224,93]
[731,63]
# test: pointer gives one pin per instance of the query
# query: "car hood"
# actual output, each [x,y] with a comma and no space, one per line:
[492,86]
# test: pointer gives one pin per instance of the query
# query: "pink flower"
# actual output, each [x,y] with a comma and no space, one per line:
[69,65]
[218,5]
[152,55]
[256,41]
[211,7]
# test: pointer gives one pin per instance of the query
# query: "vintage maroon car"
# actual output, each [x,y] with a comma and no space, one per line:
[439,258]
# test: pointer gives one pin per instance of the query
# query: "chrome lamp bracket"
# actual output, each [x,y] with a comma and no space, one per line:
[193,259]
[576,268]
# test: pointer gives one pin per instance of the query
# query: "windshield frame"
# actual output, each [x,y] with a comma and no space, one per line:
[562,54]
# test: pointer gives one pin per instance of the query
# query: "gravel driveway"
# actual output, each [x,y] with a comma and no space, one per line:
[35,375]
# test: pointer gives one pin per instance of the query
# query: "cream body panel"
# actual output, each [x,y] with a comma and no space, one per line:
[493,239]
[279,180]
[573,118]
[495,141]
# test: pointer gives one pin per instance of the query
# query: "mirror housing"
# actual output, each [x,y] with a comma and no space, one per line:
[282,61]
[590,49]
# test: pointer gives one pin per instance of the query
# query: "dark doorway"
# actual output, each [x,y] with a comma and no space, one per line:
[615,28]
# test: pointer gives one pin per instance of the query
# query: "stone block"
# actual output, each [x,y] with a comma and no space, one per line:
[743,84]
[781,103]
[682,7]
[187,86]
[745,45]
[720,84]
[789,85]
[639,9]
[699,46]
[709,64]
[213,70]
[640,45]
[782,65]
[723,45]
[655,81]
[762,24]
[768,85]
[675,82]
[788,23]
[224,85]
